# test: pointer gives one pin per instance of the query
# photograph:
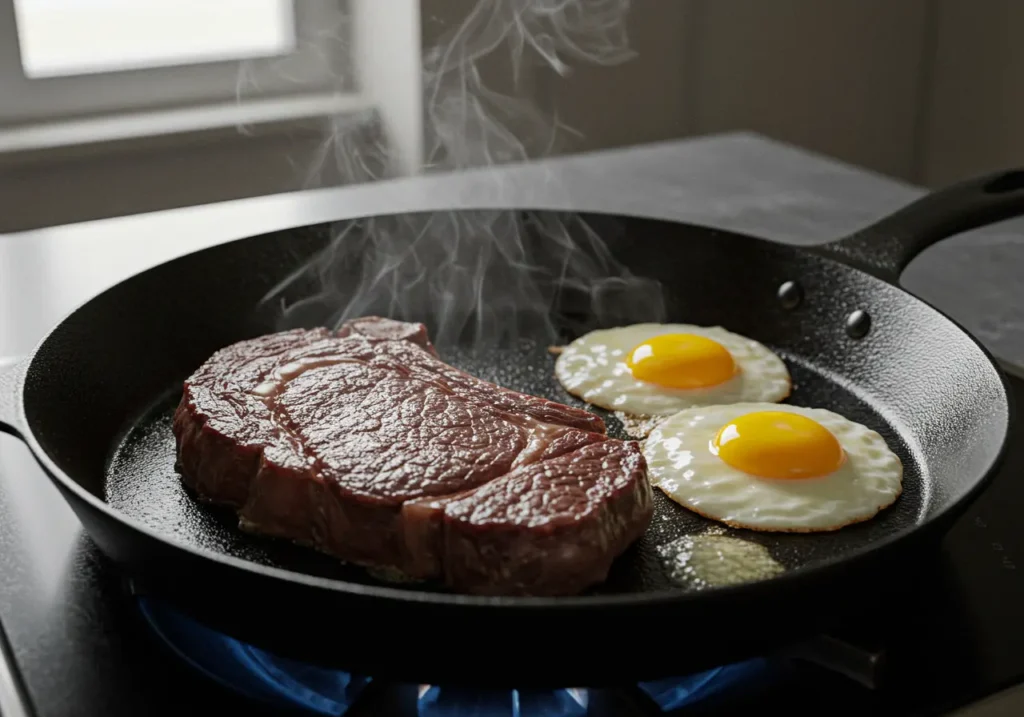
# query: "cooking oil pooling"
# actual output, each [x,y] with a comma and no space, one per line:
[703,561]
[638,426]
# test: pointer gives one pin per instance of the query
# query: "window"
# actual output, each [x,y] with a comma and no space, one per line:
[70,37]
[63,59]
[139,105]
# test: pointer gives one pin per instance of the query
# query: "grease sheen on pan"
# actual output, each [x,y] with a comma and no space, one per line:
[658,369]
[773,467]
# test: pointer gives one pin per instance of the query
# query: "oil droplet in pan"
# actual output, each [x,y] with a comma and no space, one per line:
[638,427]
[702,561]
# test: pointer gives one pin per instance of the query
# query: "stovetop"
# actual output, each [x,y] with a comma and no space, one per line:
[79,640]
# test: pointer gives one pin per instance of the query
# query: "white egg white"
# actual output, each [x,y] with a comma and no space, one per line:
[593,368]
[681,464]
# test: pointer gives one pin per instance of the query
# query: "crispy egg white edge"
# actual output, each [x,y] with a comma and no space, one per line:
[594,371]
[870,480]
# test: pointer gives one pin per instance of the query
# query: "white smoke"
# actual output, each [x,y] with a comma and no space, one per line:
[485,277]
[470,125]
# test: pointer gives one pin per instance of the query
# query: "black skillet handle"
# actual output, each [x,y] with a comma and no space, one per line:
[11,373]
[887,246]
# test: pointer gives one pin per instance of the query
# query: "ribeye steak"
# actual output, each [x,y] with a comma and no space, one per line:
[364,444]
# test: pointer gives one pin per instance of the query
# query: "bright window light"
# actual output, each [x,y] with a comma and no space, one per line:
[76,37]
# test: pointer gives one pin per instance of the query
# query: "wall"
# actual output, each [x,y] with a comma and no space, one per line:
[646,99]
[928,91]
[843,77]
[923,90]
[975,112]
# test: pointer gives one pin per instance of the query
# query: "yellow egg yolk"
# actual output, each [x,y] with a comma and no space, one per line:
[684,361]
[778,444]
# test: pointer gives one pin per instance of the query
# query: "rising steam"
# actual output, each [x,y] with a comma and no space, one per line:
[484,277]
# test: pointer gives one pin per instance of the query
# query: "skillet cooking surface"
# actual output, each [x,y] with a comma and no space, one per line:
[141,481]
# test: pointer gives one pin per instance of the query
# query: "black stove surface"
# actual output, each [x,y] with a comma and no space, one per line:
[78,640]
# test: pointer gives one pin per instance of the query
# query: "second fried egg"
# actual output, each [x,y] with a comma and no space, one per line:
[773,467]
[659,369]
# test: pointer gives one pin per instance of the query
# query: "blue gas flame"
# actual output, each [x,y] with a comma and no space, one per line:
[677,692]
[468,702]
[251,671]
[287,683]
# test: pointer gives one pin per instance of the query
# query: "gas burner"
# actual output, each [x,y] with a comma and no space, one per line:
[250,671]
[295,685]
[678,692]
[667,695]
[467,702]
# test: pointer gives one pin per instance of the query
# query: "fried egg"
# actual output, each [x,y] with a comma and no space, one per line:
[771,467]
[659,369]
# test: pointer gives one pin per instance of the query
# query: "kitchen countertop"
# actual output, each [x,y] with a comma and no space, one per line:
[740,182]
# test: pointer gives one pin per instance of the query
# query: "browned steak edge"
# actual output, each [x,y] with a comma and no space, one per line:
[562,557]
[213,465]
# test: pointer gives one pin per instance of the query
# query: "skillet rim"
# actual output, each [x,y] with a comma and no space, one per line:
[789,580]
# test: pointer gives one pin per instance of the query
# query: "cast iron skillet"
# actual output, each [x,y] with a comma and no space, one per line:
[92,403]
